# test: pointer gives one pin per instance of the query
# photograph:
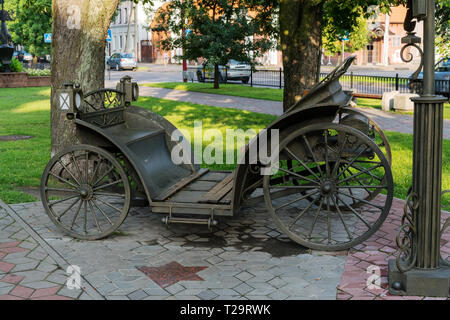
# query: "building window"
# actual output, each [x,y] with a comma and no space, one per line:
[126,16]
[396,41]
[121,42]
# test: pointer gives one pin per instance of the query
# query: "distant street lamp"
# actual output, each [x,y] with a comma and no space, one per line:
[419,268]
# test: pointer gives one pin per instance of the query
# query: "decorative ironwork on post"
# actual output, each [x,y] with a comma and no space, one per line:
[419,268]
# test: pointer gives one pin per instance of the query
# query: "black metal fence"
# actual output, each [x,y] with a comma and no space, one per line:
[361,84]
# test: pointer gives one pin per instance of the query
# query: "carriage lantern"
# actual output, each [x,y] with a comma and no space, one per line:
[69,99]
[130,89]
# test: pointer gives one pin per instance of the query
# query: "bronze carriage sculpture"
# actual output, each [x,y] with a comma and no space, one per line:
[332,190]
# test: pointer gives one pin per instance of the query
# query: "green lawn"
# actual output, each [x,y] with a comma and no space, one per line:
[225,89]
[26,112]
[258,93]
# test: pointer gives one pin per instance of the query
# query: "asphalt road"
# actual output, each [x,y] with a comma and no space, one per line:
[161,73]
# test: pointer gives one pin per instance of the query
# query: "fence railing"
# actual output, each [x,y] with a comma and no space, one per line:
[373,86]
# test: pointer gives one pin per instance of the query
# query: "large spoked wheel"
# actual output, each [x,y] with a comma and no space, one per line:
[85,192]
[322,193]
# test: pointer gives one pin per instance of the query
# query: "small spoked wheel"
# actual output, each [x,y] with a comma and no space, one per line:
[325,193]
[85,192]
[375,132]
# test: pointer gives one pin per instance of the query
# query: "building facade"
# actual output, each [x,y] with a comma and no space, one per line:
[130,32]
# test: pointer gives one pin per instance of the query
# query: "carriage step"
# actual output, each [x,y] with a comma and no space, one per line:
[209,222]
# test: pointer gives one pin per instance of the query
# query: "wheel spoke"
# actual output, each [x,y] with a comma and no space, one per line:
[312,154]
[342,218]
[110,194]
[107,185]
[328,220]
[76,165]
[301,214]
[94,216]
[67,210]
[362,200]
[69,172]
[351,162]
[369,173]
[76,215]
[341,149]
[297,175]
[360,173]
[86,165]
[315,218]
[61,190]
[96,169]
[327,165]
[355,213]
[107,172]
[63,180]
[103,213]
[109,205]
[301,162]
[85,216]
[296,200]
[51,204]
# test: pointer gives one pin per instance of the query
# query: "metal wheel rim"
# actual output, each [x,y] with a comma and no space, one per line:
[84,207]
[374,227]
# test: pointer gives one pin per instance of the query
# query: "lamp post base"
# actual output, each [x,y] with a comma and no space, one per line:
[419,282]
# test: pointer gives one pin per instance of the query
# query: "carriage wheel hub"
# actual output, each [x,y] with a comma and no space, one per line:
[86,192]
[327,187]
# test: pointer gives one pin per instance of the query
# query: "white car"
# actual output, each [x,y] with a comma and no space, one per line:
[234,70]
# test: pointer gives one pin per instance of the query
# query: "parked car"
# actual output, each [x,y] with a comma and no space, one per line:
[234,70]
[441,76]
[23,56]
[122,61]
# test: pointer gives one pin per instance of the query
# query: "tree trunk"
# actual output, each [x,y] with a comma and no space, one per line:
[78,55]
[216,76]
[301,41]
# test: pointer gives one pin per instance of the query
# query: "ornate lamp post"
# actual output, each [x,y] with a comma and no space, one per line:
[419,268]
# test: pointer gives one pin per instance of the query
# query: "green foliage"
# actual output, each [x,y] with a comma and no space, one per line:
[443,28]
[219,30]
[32,19]
[358,38]
[15,66]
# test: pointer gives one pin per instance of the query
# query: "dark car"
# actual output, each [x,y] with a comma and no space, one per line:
[23,56]
[122,61]
[442,78]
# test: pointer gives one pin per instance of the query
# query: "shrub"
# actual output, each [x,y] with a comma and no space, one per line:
[38,72]
[15,66]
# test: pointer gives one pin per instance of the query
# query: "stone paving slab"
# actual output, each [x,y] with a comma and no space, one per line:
[228,263]
[386,120]
[372,256]
[27,270]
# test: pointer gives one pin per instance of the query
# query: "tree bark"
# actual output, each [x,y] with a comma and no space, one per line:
[301,42]
[78,55]
[216,76]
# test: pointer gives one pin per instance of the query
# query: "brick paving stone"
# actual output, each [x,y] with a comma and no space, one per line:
[20,258]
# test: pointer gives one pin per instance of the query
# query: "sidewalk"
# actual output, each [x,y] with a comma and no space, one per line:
[386,120]
[244,258]
[29,267]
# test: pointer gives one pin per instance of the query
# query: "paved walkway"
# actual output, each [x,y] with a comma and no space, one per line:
[386,120]
[245,258]
[29,267]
